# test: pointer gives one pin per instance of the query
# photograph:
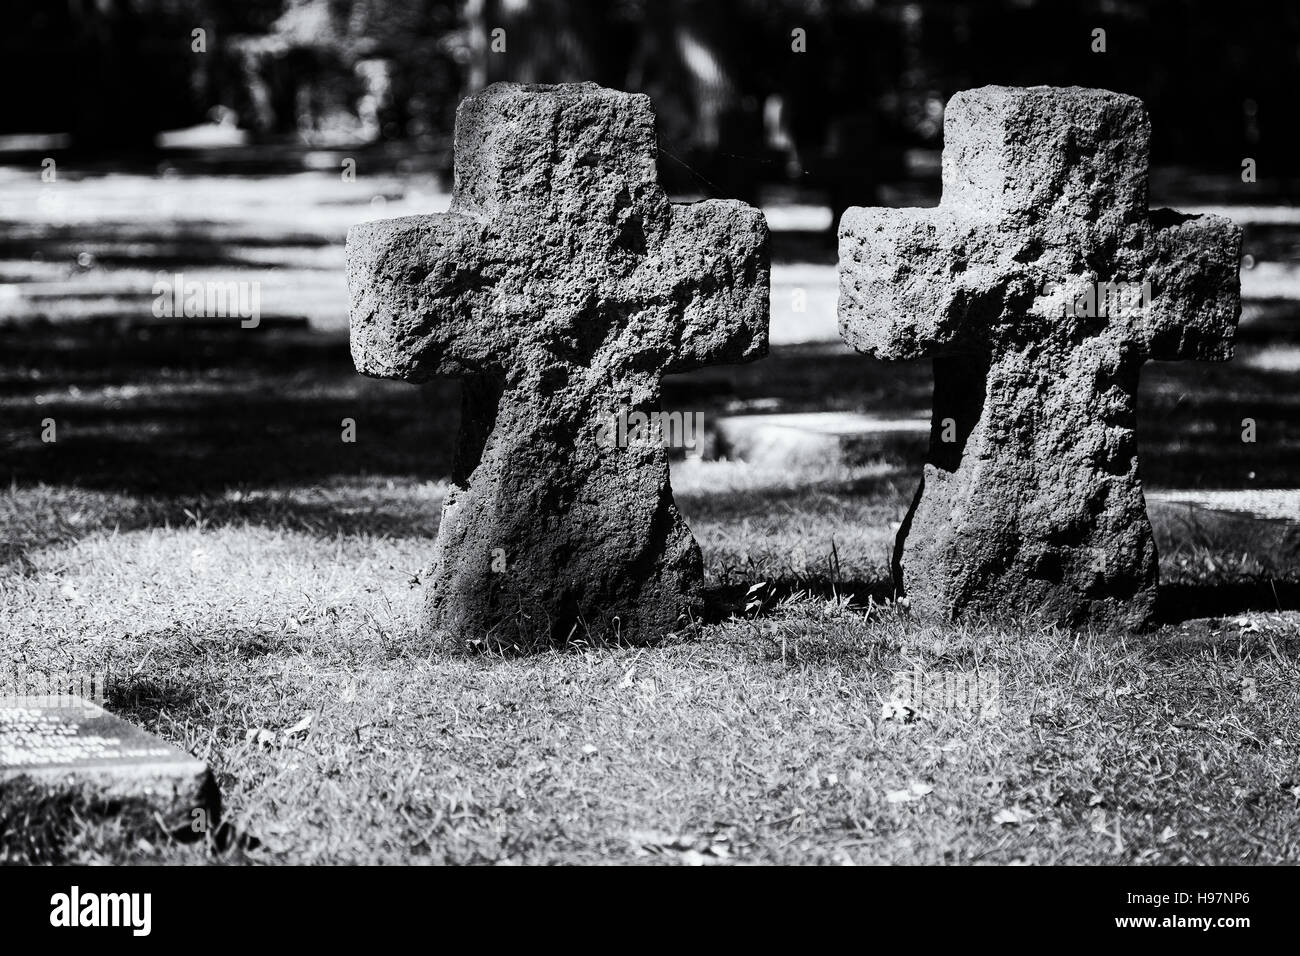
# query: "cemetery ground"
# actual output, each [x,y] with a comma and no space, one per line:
[253,584]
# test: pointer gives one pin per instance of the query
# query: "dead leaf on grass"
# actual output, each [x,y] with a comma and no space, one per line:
[915,791]
[1012,816]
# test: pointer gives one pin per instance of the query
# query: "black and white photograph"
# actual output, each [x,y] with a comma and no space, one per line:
[650,432]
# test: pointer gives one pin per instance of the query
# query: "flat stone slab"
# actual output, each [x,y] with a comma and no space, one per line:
[1260,504]
[57,746]
[803,304]
[814,438]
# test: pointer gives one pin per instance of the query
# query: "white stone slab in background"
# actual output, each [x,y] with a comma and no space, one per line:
[812,438]
[1269,504]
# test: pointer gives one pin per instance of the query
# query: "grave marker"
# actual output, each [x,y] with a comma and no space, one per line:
[560,286]
[1035,503]
[57,747]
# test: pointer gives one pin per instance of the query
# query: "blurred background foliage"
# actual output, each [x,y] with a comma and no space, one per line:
[738,108]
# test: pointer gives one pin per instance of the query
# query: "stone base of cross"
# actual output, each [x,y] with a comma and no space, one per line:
[1039,286]
[560,287]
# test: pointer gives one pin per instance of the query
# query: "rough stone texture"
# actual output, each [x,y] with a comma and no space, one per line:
[1037,505]
[561,285]
[54,753]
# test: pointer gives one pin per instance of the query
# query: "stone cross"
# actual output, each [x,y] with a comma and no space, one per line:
[560,286]
[1039,286]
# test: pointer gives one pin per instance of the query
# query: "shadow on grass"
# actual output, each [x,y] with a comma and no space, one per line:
[150,412]
[180,416]
[725,601]
[188,245]
[194,407]
[1178,603]
[189,408]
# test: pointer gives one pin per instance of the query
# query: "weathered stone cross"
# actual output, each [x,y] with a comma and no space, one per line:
[561,285]
[1031,498]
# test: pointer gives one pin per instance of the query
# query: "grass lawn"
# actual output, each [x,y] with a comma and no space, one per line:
[232,613]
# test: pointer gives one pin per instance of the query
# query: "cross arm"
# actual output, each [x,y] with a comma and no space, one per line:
[1194,270]
[908,279]
[712,273]
[415,307]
